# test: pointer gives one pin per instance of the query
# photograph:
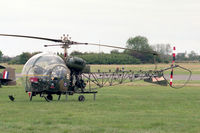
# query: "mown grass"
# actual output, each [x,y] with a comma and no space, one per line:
[125,108]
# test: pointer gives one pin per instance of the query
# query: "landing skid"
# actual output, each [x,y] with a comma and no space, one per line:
[49,97]
[81,98]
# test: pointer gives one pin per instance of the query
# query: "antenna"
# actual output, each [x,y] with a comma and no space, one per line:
[67,41]
[100,55]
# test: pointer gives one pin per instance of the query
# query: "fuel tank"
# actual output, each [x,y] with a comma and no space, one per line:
[76,64]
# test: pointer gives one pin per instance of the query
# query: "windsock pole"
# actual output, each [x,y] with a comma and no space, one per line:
[172,70]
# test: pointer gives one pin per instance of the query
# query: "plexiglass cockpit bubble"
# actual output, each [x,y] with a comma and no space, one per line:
[44,66]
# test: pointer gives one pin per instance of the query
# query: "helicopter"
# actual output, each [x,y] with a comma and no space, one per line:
[7,77]
[46,74]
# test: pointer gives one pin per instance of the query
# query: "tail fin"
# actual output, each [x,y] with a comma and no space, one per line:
[9,73]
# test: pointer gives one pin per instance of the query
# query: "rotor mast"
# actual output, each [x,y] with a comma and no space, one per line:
[66,42]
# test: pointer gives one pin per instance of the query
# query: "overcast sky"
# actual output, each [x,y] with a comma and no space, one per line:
[176,22]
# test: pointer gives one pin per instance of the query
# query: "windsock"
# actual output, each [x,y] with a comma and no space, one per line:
[173,61]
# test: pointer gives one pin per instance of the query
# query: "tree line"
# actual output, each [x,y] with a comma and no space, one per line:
[140,53]
[19,59]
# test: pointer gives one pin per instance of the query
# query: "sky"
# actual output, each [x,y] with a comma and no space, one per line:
[112,22]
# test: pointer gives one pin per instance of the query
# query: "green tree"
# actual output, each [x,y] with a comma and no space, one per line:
[1,56]
[138,43]
[103,58]
[74,53]
[142,49]
[24,57]
[115,51]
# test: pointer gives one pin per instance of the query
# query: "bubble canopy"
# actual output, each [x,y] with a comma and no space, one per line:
[44,66]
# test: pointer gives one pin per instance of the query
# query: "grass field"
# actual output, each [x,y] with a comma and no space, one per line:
[136,107]
[132,108]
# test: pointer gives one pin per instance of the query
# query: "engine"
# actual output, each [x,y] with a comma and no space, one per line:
[76,64]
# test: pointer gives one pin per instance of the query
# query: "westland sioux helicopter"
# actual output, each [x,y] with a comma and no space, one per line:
[46,74]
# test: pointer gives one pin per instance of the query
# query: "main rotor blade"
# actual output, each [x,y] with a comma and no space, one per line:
[103,45]
[76,43]
[33,37]
[53,45]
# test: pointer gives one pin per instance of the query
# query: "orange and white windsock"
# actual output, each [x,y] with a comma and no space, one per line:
[173,61]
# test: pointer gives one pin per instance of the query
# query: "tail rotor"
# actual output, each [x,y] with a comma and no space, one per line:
[179,76]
